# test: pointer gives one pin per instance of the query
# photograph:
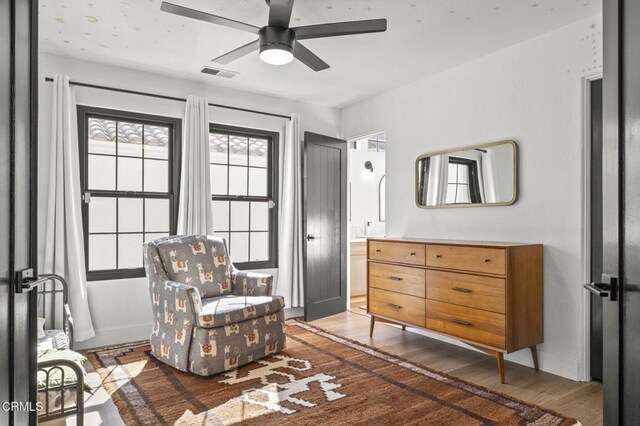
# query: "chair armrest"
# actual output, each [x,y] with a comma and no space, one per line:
[67,324]
[251,283]
[172,297]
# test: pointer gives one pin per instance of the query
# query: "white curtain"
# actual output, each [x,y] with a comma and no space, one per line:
[194,211]
[290,240]
[64,243]
[437,182]
[488,177]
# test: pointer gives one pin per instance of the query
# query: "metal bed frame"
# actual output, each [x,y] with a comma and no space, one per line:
[48,367]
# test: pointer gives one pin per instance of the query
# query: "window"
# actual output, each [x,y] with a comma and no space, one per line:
[243,193]
[377,143]
[462,184]
[129,181]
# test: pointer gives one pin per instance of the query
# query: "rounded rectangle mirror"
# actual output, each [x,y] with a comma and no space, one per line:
[480,175]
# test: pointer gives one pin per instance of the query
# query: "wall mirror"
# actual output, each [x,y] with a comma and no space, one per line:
[481,175]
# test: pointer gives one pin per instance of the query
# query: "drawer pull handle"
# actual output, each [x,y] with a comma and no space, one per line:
[438,256]
[465,323]
[487,260]
[394,306]
[378,251]
[461,290]
[413,253]
[391,277]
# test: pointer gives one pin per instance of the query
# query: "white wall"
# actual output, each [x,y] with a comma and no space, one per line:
[121,309]
[364,187]
[532,93]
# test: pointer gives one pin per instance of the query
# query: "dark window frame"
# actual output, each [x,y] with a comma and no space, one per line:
[174,160]
[272,192]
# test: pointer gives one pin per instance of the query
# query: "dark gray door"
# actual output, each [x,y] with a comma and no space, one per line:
[18,142]
[620,283]
[325,225]
[596,227]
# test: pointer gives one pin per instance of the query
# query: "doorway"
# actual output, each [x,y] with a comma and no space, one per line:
[367,215]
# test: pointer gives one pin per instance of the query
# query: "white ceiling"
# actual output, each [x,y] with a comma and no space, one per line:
[423,37]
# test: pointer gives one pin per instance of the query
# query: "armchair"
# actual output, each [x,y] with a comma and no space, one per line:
[208,316]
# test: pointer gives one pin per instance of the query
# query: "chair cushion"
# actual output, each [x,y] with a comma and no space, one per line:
[200,261]
[53,339]
[224,310]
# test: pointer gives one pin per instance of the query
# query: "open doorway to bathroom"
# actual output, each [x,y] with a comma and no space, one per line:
[366,209]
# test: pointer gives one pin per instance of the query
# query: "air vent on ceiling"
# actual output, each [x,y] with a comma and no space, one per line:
[218,72]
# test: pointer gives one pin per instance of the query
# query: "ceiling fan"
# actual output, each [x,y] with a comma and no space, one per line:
[278,43]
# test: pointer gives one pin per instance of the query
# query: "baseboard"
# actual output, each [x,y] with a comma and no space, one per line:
[550,362]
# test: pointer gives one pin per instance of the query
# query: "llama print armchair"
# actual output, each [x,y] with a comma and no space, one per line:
[208,316]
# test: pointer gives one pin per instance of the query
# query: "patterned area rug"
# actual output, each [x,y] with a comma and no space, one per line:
[320,378]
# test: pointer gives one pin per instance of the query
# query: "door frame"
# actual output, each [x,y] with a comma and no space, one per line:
[584,368]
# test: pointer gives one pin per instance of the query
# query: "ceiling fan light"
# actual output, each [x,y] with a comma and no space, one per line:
[276,56]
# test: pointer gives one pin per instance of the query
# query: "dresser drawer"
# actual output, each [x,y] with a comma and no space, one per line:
[475,259]
[475,291]
[467,323]
[401,279]
[402,307]
[387,251]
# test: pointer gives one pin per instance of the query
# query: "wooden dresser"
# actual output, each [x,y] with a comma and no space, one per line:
[488,295]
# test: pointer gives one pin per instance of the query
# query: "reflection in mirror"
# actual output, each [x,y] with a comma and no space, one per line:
[479,175]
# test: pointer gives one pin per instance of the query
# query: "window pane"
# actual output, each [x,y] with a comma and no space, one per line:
[224,235]
[130,215]
[102,215]
[130,249]
[239,216]
[151,237]
[239,247]
[258,152]
[129,174]
[372,146]
[102,136]
[102,252]
[218,148]
[453,173]
[237,181]
[156,142]
[259,216]
[218,180]
[238,150]
[220,215]
[451,193]
[102,172]
[156,176]
[463,195]
[463,174]
[382,147]
[129,139]
[156,215]
[259,246]
[258,182]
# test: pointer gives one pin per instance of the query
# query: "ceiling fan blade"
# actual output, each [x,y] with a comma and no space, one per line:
[238,53]
[280,13]
[340,29]
[207,17]
[309,58]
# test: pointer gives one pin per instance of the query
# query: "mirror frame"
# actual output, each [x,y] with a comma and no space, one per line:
[468,148]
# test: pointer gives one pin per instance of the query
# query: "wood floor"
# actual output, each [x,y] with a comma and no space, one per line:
[576,399]
[580,400]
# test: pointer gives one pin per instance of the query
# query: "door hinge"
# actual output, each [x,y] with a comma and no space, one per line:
[272,204]
[86,197]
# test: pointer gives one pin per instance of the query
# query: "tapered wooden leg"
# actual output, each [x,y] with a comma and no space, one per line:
[404,327]
[534,355]
[373,322]
[500,359]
